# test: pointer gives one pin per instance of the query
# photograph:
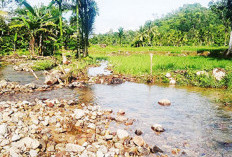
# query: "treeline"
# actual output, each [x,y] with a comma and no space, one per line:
[43,30]
[190,25]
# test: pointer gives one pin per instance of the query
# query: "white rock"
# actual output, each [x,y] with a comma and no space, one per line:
[172,81]
[164,102]
[26,103]
[33,153]
[168,75]
[74,148]
[202,73]
[157,128]
[15,137]
[100,154]
[78,113]
[219,74]
[122,134]
[3,129]
[27,142]
[92,126]
[4,142]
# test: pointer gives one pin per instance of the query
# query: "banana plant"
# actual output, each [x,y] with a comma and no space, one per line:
[36,21]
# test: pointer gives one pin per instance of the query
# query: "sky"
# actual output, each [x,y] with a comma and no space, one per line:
[130,14]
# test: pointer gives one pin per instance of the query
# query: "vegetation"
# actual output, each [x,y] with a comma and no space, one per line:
[190,25]
[43,30]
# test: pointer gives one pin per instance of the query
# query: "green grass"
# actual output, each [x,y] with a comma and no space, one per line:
[171,49]
[43,65]
[138,65]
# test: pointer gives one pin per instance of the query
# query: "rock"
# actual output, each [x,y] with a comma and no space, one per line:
[172,81]
[121,112]
[4,142]
[138,132]
[92,126]
[100,154]
[219,74]
[129,122]
[28,142]
[108,137]
[138,140]
[168,75]
[3,129]
[74,148]
[116,81]
[33,153]
[50,80]
[122,134]
[121,119]
[164,102]
[119,145]
[156,149]
[158,128]
[202,73]
[78,113]
[143,151]
[15,137]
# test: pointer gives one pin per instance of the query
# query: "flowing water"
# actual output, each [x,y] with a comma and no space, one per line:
[193,122]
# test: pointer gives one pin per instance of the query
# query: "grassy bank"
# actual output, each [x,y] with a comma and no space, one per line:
[182,68]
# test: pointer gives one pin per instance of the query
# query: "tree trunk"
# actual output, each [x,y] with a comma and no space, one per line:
[14,47]
[78,55]
[61,26]
[40,44]
[32,46]
[229,52]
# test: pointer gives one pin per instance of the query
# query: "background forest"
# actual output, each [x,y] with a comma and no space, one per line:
[190,25]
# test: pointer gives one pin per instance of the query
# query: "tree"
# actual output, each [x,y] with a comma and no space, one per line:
[224,9]
[37,21]
[87,13]
[120,35]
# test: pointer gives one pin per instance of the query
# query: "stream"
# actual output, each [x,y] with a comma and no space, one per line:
[193,123]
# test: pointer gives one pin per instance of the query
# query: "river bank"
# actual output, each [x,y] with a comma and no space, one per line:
[189,107]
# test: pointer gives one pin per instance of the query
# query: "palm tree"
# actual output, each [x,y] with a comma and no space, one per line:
[120,34]
[75,8]
[87,12]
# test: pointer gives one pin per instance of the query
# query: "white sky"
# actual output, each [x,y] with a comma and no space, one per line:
[130,14]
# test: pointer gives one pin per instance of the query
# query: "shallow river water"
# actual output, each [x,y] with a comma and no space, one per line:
[193,123]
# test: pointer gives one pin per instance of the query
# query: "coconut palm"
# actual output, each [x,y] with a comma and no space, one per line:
[87,13]
[120,35]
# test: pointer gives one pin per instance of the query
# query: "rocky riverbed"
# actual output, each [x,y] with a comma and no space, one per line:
[64,127]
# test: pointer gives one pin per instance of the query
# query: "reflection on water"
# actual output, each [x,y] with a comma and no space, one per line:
[20,76]
[193,123]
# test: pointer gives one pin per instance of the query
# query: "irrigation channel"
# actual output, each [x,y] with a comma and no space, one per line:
[193,122]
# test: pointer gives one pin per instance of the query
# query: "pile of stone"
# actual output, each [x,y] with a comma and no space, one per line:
[7,87]
[23,67]
[66,128]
